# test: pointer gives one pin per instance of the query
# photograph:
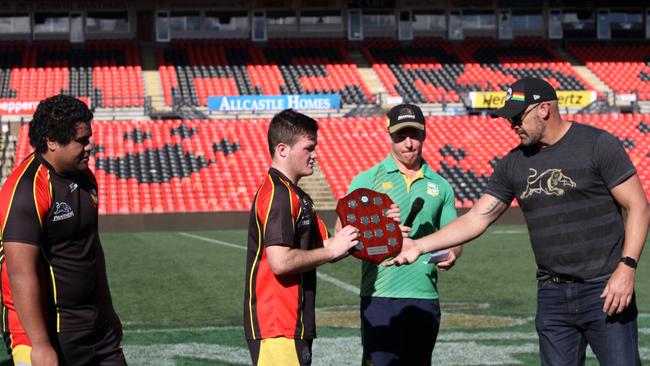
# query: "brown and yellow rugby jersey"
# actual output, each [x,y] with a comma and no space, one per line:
[59,215]
[282,214]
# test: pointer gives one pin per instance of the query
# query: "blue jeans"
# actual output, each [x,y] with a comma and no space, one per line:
[398,332]
[570,316]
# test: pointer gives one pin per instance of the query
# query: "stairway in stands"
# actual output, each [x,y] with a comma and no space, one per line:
[587,74]
[318,189]
[368,75]
[7,152]
[152,83]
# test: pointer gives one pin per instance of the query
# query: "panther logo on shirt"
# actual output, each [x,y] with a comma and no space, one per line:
[62,211]
[550,182]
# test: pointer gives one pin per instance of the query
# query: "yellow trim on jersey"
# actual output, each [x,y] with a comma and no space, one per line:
[257,254]
[409,182]
[50,181]
[38,214]
[21,354]
[278,351]
[295,220]
[250,285]
[56,305]
[268,210]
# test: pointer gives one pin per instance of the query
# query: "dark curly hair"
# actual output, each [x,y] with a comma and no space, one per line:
[56,119]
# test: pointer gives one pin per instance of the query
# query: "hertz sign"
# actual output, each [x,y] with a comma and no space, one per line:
[493,100]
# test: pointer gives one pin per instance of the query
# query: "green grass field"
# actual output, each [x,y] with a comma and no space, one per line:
[180,295]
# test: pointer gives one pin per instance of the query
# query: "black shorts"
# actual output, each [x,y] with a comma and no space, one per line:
[100,346]
[397,331]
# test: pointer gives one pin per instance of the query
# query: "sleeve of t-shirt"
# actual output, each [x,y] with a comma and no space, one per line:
[448,213]
[276,217]
[612,161]
[499,185]
[22,223]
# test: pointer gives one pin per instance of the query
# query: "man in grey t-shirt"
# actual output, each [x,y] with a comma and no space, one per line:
[571,181]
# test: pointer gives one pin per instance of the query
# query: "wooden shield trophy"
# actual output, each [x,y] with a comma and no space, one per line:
[380,236]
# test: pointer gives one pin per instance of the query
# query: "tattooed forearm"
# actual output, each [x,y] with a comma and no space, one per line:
[492,207]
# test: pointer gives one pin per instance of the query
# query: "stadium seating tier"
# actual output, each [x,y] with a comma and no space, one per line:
[431,70]
[208,166]
[193,70]
[109,73]
[624,68]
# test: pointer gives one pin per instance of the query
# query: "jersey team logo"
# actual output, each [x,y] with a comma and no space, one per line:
[550,182]
[387,185]
[307,212]
[433,189]
[508,94]
[63,211]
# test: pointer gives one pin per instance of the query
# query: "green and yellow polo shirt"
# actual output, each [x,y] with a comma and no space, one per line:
[418,280]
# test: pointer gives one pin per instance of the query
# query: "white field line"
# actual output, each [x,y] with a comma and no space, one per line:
[336,282]
[182,329]
[444,336]
[341,351]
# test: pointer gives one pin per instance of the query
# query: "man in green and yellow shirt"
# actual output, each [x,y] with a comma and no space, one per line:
[400,312]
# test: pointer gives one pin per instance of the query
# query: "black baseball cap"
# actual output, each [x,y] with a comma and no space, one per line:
[523,93]
[405,115]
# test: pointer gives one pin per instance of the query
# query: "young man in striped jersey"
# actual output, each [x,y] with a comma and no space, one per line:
[286,242]
[57,307]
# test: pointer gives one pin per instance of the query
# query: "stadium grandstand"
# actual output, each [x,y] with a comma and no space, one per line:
[178,90]
[183,91]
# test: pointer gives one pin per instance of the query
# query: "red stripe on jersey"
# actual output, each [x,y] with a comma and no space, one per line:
[322,228]
[278,296]
[42,193]
[283,290]
[19,339]
[42,202]
[294,202]
[13,323]
[262,208]
[9,189]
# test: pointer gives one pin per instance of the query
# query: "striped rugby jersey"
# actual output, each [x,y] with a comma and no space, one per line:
[274,306]
[59,215]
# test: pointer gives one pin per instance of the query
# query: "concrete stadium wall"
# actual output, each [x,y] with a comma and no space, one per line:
[223,221]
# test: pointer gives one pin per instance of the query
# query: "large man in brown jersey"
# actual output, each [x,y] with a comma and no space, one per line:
[54,289]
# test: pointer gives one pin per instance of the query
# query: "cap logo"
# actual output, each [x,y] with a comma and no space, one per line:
[508,94]
[411,116]
[405,113]
[518,97]
[536,96]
